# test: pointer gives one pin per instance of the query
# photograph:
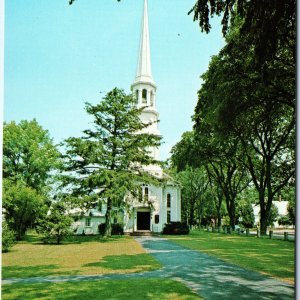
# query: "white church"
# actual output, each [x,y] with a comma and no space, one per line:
[162,203]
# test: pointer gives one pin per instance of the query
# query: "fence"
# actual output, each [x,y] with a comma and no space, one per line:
[271,234]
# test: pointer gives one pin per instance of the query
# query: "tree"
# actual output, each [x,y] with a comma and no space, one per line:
[203,147]
[29,161]
[57,224]
[255,107]
[272,216]
[267,25]
[8,237]
[194,184]
[245,214]
[29,155]
[23,206]
[108,162]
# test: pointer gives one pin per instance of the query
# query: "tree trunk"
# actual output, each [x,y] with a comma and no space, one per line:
[231,210]
[107,231]
[263,222]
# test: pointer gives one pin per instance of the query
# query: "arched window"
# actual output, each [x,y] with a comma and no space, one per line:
[144,96]
[146,193]
[168,200]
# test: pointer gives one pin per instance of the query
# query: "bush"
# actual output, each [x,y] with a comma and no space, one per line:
[8,237]
[56,225]
[176,228]
[101,228]
[285,220]
[116,229]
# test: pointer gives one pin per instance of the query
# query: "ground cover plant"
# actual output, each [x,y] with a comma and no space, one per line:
[272,257]
[101,289]
[77,255]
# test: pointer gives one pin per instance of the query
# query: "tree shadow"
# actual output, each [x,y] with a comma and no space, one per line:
[33,271]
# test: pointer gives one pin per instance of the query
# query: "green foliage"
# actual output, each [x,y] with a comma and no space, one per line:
[176,228]
[245,214]
[272,216]
[8,237]
[22,207]
[29,162]
[267,25]
[194,183]
[29,155]
[256,108]
[285,220]
[108,161]
[116,229]
[56,225]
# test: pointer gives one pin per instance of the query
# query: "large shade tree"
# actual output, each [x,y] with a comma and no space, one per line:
[258,109]
[108,162]
[29,162]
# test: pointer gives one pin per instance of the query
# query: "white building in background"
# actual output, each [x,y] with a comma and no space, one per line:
[281,207]
[161,203]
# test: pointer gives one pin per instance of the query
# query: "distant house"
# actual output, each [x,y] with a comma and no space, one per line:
[88,222]
[282,211]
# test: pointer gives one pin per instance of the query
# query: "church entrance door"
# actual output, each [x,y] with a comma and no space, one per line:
[143,220]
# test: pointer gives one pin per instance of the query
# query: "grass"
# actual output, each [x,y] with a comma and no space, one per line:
[272,257]
[78,255]
[104,289]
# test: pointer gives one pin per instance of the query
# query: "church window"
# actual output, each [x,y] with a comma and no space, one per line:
[146,193]
[88,222]
[168,200]
[156,219]
[144,95]
[168,216]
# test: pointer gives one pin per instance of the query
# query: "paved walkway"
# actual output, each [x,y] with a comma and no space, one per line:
[209,277]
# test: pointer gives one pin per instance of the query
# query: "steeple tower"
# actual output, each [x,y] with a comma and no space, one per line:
[144,64]
[144,87]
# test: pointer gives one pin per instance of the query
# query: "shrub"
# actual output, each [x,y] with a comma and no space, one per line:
[285,220]
[116,229]
[101,228]
[176,228]
[8,237]
[56,225]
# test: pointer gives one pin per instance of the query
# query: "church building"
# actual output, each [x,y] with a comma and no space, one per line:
[161,204]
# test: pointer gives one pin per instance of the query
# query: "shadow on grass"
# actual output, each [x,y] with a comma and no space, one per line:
[32,271]
[106,289]
[123,262]
[34,238]
[79,239]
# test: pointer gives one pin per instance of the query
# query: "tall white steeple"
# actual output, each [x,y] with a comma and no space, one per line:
[144,87]
[144,63]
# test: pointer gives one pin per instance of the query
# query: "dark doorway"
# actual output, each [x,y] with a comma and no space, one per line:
[143,220]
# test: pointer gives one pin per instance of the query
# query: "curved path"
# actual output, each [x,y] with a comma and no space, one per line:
[209,277]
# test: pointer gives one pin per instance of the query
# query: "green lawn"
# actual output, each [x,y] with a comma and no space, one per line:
[100,289]
[272,257]
[78,255]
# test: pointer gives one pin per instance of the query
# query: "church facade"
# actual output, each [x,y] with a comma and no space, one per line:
[161,203]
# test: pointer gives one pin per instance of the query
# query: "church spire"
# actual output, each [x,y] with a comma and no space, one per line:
[144,63]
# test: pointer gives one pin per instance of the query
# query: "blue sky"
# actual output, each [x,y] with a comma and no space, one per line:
[58,56]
